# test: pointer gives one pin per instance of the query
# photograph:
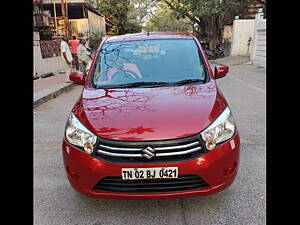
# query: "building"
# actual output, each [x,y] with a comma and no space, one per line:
[53,18]
[83,18]
[252,9]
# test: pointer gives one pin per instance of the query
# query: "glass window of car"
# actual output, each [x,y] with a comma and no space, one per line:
[165,60]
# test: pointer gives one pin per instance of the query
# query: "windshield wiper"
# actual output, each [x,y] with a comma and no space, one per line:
[136,84]
[189,81]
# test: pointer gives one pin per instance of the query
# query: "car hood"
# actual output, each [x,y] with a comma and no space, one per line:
[139,114]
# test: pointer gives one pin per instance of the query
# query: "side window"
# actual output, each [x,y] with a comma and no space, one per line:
[97,70]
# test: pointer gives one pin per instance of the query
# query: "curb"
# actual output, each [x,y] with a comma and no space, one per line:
[234,64]
[50,96]
[45,75]
[216,61]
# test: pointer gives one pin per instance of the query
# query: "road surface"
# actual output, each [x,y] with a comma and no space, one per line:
[244,202]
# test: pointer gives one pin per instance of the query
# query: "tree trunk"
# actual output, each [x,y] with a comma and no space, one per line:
[203,29]
[212,31]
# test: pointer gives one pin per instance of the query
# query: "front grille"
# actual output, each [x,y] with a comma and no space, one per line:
[180,184]
[149,151]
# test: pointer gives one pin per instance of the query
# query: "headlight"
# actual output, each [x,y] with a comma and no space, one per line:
[79,135]
[220,130]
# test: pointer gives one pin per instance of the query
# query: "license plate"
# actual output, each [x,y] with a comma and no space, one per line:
[149,173]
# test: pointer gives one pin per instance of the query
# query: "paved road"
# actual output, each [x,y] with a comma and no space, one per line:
[244,202]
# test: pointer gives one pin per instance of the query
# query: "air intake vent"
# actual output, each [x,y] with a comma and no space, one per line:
[180,184]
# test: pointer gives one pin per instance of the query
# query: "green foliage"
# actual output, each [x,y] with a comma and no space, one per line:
[164,19]
[132,27]
[207,16]
[201,9]
[95,40]
[118,16]
[115,12]
[142,9]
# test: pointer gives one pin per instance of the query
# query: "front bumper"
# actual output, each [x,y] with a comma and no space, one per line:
[84,171]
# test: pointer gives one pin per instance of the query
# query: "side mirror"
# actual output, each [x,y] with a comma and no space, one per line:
[221,71]
[77,77]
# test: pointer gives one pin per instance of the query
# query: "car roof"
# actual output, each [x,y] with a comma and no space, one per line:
[148,36]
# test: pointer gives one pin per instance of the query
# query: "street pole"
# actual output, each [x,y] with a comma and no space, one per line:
[54,9]
[67,16]
[63,12]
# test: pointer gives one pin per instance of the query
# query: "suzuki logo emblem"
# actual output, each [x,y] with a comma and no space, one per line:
[149,152]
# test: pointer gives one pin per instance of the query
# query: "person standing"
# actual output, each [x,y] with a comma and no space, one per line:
[66,54]
[84,57]
[74,44]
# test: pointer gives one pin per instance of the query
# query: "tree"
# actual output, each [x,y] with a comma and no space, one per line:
[132,27]
[143,9]
[262,2]
[95,40]
[164,19]
[133,24]
[116,14]
[207,16]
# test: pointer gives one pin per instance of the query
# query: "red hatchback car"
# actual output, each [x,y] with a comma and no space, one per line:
[150,122]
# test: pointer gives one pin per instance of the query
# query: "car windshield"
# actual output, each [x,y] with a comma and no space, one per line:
[148,63]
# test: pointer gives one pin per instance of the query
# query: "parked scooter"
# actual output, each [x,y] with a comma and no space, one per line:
[208,52]
[213,54]
[219,52]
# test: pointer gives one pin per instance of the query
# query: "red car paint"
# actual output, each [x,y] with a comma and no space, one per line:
[144,114]
[77,77]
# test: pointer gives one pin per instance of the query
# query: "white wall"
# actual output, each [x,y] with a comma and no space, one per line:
[242,30]
[258,53]
[47,65]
